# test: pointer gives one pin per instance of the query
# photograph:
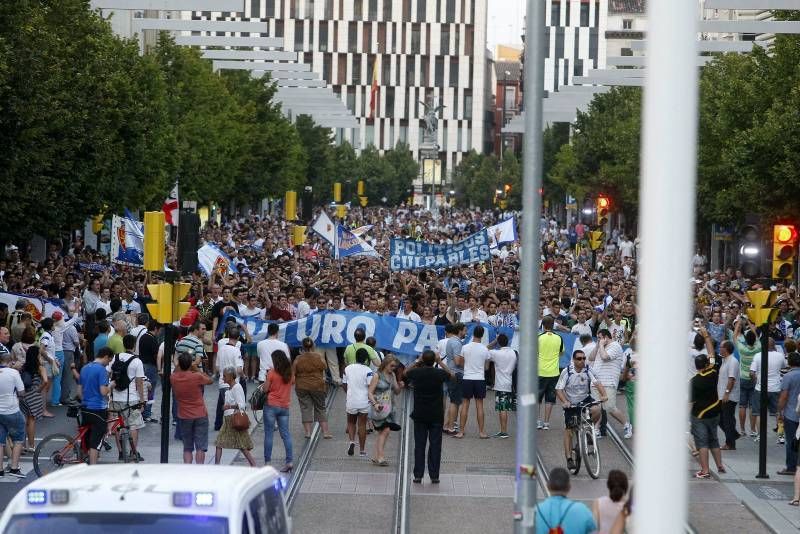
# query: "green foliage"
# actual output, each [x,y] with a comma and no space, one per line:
[318,145]
[390,175]
[476,179]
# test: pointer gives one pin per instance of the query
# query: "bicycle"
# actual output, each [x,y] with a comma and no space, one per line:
[584,442]
[58,450]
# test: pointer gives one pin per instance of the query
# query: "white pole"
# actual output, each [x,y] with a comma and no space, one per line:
[667,214]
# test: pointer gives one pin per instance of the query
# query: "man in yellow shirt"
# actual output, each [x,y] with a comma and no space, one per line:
[551,346]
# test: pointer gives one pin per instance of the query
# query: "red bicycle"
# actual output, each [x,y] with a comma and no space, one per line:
[58,450]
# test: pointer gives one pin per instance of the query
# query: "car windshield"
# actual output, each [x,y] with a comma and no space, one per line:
[116,523]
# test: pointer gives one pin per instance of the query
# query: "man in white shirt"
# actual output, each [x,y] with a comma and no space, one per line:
[357,377]
[476,357]
[12,423]
[606,361]
[473,313]
[265,349]
[303,307]
[775,362]
[133,395]
[229,354]
[407,312]
[505,400]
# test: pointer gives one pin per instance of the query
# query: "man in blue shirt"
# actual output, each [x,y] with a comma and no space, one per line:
[558,511]
[787,410]
[93,390]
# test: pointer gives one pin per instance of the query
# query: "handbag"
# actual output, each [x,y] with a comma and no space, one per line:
[257,399]
[383,406]
[240,421]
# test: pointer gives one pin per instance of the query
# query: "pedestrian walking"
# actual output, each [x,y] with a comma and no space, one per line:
[230,437]
[705,414]
[382,387]
[788,412]
[356,380]
[12,423]
[34,378]
[728,393]
[229,354]
[558,513]
[277,387]
[148,353]
[309,372]
[93,389]
[606,508]
[428,412]
[187,385]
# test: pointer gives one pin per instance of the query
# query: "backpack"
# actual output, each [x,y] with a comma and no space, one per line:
[119,373]
[557,529]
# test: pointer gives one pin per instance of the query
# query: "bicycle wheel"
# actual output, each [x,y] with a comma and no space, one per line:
[589,451]
[258,415]
[54,452]
[576,453]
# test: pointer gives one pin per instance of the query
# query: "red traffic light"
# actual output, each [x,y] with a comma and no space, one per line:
[784,233]
[603,202]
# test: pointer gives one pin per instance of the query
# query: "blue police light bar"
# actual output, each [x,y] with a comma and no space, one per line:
[204,498]
[37,497]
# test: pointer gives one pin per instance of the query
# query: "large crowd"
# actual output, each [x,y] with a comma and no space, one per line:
[101,342]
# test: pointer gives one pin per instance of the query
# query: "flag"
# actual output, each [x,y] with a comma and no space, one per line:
[361,230]
[212,259]
[170,207]
[502,233]
[325,228]
[350,245]
[373,93]
[127,241]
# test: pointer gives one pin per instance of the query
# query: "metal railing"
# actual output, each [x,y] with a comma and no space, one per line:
[401,487]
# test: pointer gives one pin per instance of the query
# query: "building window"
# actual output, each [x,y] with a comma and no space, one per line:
[454,72]
[422,8]
[626,52]
[439,72]
[415,39]
[456,47]
[386,70]
[387,10]
[366,45]
[352,37]
[627,24]
[328,9]
[294,9]
[309,9]
[373,10]
[279,28]
[409,70]
[459,135]
[351,99]
[445,41]
[403,137]
[357,69]
[585,15]
[269,9]
[382,37]
[406,10]
[323,36]
[510,100]
[469,138]
[394,29]
[341,70]
[469,37]
[358,9]
[468,105]
[424,71]
[326,68]
[370,134]
[298,35]
[450,11]
[555,13]
[389,111]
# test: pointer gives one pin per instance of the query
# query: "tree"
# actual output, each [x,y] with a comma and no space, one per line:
[512,175]
[476,179]
[317,142]
[405,168]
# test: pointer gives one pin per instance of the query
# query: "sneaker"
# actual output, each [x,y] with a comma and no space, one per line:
[702,474]
[351,449]
[362,454]
[757,438]
[570,464]
[539,424]
[781,440]
[16,473]
[545,425]
[597,433]
[753,434]
[628,431]
[501,435]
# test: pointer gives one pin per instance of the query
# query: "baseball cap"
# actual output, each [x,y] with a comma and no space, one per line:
[57,315]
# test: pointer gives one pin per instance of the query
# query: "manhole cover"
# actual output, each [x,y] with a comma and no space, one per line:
[771,492]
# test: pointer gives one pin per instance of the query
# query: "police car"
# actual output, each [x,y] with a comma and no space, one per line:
[151,499]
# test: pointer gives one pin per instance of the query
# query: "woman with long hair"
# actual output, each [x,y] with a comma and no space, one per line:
[277,387]
[381,413]
[309,371]
[34,377]
[606,509]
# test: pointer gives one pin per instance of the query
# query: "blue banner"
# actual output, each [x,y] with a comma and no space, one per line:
[409,254]
[331,328]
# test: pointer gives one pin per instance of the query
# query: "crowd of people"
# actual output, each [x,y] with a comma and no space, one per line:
[102,315]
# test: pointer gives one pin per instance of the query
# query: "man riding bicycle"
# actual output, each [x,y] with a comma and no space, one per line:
[574,391]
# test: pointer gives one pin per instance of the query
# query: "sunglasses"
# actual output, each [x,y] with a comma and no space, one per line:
[578,359]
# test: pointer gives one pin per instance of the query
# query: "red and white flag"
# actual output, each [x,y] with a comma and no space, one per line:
[170,207]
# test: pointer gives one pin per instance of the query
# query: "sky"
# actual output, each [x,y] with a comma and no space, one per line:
[506,21]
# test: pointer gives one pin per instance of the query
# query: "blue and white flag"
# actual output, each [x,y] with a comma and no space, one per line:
[503,232]
[325,228]
[212,259]
[409,254]
[127,242]
[349,244]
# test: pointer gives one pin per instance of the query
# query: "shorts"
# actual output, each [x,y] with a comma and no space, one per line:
[547,389]
[357,411]
[772,402]
[505,401]
[746,390]
[611,393]
[455,390]
[474,389]
[133,418]
[194,434]
[704,432]
[391,425]
[573,414]
[12,426]
[97,423]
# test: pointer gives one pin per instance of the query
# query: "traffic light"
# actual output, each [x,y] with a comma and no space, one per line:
[506,191]
[750,250]
[298,235]
[337,192]
[168,305]
[783,251]
[154,241]
[596,238]
[361,188]
[603,205]
[97,224]
[290,206]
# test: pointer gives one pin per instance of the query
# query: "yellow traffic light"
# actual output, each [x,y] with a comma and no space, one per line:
[360,188]
[341,211]
[783,250]
[290,206]
[298,235]
[596,238]
[603,209]
[761,310]
[154,241]
[337,192]
[161,307]
[97,224]
[363,201]
[179,307]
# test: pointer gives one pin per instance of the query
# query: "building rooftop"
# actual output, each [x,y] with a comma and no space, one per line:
[627,6]
[513,67]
